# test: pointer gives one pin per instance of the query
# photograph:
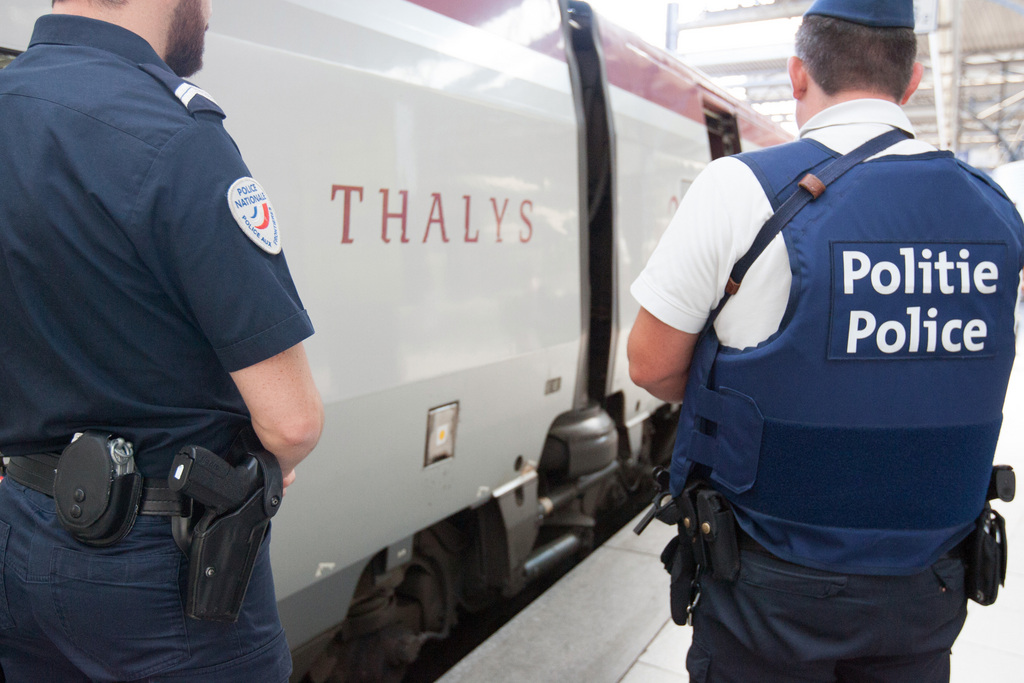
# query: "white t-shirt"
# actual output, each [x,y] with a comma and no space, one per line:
[717,221]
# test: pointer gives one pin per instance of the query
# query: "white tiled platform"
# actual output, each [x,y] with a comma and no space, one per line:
[991,646]
[607,621]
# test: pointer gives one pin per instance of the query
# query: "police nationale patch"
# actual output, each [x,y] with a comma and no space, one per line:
[254,214]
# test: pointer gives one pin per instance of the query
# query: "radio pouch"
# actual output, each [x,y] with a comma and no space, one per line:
[97,501]
[985,558]
[718,529]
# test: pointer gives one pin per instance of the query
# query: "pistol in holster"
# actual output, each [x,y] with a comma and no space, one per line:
[678,555]
[706,542]
[237,496]
[985,550]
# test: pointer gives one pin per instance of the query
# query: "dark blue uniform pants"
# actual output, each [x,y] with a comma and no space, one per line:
[71,613]
[785,623]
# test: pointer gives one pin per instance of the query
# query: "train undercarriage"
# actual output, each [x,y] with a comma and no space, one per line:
[541,522]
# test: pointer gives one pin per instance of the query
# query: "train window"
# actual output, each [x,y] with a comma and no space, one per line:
[723,133]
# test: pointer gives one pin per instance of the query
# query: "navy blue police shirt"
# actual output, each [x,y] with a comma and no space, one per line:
[129,288]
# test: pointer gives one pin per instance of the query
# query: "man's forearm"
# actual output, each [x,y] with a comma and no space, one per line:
[659,357]
[285,406]
[293,443]
[670,389]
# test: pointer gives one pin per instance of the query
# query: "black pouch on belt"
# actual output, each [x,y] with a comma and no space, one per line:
[718,529]
[96,489]
[682,567]
[985,557]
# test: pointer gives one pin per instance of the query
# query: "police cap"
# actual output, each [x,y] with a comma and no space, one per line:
[878,13]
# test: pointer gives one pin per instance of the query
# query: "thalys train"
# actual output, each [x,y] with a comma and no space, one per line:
[465,191]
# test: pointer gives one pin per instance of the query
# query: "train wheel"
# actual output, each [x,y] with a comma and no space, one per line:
[393,614]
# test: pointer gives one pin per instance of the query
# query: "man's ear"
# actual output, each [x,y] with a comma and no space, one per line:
[798,77]
[915,80]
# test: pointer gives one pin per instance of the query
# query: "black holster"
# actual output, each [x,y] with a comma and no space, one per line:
[239,494]
[985,550]
[985,555]
[707,543]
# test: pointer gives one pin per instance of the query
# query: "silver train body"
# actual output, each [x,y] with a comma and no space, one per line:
[466,191]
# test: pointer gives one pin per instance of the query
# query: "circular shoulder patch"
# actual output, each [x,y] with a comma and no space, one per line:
[254,214]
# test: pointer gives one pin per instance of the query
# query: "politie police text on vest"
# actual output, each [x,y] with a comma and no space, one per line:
[919,300]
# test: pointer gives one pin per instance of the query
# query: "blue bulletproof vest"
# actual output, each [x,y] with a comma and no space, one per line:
[859,437]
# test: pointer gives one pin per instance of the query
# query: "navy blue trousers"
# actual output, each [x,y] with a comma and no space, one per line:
[71,613]
[786,623]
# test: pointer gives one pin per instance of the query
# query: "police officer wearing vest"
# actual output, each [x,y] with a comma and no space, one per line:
[844,406]
[146,306]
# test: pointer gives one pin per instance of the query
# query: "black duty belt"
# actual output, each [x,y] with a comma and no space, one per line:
[745,542]
[39,470]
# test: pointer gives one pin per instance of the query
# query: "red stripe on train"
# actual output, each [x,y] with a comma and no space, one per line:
[631,64]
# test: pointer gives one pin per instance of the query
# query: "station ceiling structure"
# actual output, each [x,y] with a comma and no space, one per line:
[971,99]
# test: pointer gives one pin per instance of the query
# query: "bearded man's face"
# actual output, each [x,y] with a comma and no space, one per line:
[186,37]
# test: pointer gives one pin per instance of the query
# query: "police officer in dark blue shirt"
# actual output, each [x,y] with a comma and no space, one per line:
[145,298]
[829,469]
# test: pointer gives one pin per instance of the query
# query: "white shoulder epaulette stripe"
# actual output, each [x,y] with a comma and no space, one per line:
[186,91]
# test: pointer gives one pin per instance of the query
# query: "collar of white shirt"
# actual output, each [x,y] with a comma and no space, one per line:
[844,126]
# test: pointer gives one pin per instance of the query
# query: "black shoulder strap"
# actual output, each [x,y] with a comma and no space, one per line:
[811,187]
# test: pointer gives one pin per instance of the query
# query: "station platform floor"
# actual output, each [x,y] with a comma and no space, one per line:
[607,620]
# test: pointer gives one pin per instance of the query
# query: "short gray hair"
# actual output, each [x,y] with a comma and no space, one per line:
[841,55]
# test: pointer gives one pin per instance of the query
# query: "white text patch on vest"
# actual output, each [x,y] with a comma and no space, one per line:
[892,300]
[939,274]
